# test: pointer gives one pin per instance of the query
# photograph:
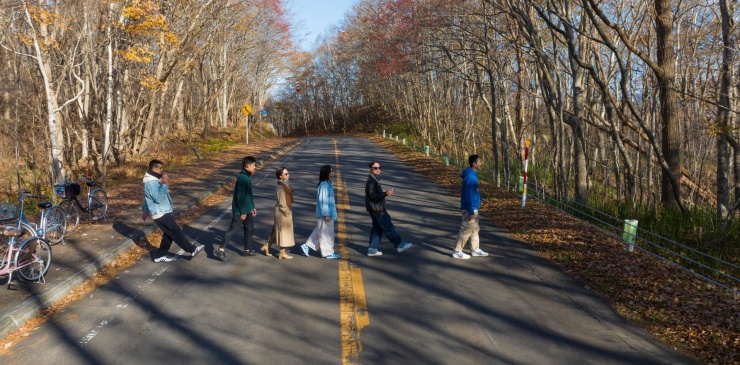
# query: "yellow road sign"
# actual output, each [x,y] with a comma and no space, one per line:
[246,109]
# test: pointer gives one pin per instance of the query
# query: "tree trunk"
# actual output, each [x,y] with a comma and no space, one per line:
[671,129]
[727,80]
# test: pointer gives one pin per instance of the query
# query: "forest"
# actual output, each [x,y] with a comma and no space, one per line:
[91,84]
[634,103]
[628,101]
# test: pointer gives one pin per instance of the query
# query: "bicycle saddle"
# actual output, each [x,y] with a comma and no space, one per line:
[90,183]
[45,205]
[14,232]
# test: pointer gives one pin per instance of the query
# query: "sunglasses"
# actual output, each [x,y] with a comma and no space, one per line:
[377,168]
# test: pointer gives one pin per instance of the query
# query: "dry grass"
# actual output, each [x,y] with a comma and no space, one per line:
[691,315]
[127,195]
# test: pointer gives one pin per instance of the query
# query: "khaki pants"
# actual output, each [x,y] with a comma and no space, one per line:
[468,230]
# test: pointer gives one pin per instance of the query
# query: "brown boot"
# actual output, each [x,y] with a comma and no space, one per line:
[266,248]
[284,254]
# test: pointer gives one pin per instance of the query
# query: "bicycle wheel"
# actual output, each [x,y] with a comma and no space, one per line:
[73,214]
[28,231]
[4,254]
[98,204]
[55,225]
[35,254]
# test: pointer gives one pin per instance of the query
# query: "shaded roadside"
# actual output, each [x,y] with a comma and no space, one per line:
[92,246]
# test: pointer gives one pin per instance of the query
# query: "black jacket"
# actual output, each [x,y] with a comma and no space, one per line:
[374,196]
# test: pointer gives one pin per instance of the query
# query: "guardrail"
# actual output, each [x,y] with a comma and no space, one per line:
[702,265]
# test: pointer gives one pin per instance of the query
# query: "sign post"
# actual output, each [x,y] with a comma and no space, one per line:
[261,109]
[246,109]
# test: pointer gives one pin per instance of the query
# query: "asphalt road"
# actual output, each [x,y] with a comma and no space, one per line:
[416,307]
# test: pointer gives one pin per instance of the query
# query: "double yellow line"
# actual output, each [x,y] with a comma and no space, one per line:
[352,303]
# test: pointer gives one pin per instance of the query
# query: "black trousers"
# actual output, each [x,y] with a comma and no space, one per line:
[172,232]
[246,225]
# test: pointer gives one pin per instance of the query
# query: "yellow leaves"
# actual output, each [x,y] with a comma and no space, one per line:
[151,82]
[44,17]
[142,19]
[139,54]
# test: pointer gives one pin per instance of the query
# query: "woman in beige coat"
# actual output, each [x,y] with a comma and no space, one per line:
[282,229]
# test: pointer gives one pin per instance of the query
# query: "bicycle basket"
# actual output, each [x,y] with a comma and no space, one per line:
[8,211]
[67,191]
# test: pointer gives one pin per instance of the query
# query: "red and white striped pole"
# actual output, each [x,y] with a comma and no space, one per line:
[526,162]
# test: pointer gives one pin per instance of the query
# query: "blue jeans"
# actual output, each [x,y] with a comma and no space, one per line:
[382,223]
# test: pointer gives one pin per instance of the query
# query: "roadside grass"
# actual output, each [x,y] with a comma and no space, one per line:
[127,197]
[696,318]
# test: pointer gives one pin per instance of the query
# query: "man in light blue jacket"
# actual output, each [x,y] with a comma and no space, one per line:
[158,205]
[469,204]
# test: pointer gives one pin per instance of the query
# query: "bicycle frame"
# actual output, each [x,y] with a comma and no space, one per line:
[42,227]
[51,226]
[22,222]
[97,203]
[16,257]
[11,264]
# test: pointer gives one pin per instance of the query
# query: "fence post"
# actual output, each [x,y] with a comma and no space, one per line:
[426,150]
[447,159]
[520,185]
[383,133]
[629,233]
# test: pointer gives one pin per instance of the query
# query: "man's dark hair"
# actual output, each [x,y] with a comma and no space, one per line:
[472,159]
[279,172]
[155,163]
[370,165]
[248,161]
[324,173]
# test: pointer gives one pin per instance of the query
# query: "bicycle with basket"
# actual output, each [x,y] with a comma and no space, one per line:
[53,221]
[31,258]
[96,201]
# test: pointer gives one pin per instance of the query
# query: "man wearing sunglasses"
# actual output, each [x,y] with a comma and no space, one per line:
[375,205]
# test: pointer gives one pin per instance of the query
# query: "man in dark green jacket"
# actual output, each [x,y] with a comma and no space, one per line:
[242,210]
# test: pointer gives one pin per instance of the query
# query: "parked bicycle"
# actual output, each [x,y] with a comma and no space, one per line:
[53,222]
[9,218]
[96,201]
[31,258]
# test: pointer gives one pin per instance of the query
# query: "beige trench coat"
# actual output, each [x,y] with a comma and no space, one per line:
[282,229]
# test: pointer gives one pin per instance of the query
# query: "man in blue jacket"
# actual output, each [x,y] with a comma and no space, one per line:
[469,204]
[158,205]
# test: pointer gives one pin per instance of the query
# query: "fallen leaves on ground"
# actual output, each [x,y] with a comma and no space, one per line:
[699,319]
[126,198]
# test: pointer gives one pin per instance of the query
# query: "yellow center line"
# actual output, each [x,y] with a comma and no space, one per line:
[352,304]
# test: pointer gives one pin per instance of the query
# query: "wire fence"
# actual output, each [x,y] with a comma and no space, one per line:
[702,265]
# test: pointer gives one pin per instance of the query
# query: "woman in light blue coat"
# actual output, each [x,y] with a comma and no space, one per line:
[326,214]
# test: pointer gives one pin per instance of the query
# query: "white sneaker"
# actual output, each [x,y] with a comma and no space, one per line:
[460,255]
[163,258]
[197,250]
[404,246]
[376,253]
[479,253]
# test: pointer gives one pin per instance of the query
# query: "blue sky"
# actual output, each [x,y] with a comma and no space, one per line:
[317,16]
